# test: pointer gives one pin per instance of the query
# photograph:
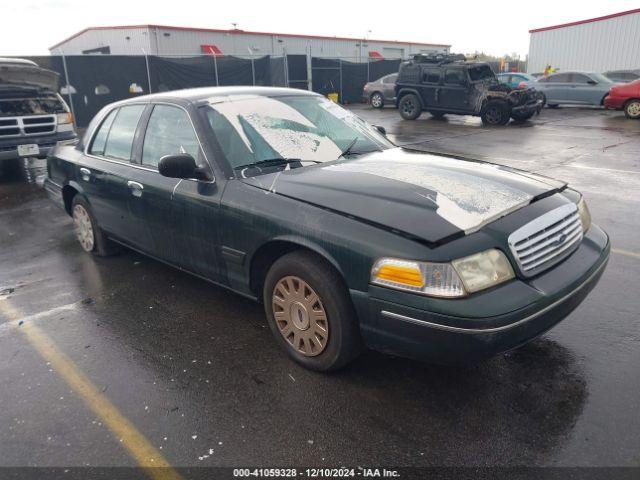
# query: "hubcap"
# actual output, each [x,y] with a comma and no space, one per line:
[300,316]
[634,109]
[83,227]
[493,115]
[376,101]
[407,107]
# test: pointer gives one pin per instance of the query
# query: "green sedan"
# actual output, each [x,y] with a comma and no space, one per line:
[349,241]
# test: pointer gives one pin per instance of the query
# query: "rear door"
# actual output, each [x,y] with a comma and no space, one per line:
[454,95]
[430,87]
[389,87]
[103,172]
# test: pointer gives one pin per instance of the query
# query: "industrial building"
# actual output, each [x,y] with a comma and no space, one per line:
[599,44]
[180,41]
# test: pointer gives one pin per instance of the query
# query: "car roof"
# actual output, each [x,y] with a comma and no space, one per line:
[195,95]
[17,61]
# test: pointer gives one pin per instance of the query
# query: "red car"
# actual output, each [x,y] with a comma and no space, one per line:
[625,97]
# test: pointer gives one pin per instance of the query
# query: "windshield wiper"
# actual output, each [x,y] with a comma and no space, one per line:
[347,150]
[274,161]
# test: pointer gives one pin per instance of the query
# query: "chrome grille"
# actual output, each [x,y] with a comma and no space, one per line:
[27,126]
[542,241]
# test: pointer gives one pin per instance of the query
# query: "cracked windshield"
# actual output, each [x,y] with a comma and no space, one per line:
[260,134]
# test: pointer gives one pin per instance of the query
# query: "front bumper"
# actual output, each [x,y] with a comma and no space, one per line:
[531,107]
[497,320]
[46,143]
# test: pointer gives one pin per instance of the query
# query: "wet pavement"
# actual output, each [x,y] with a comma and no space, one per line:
[194,369]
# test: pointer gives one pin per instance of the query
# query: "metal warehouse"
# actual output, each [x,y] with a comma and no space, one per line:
[598,44]
[180,41]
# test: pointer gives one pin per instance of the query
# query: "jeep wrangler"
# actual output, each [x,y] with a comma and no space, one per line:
[447,83]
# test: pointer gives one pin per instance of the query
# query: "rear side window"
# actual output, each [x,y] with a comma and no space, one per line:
[100,140]
[122,132]
[169,132]
[454,77]
[431,75]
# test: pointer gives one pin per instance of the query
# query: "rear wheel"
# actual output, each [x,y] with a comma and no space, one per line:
[410,107]
[376,100]
[552,105]
[310,313]
[632,108]
[91,238]
[495,113]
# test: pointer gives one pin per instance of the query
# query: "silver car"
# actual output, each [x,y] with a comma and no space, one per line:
[574,88]
[381,91]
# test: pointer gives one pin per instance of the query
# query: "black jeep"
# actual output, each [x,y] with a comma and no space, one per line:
[447,83]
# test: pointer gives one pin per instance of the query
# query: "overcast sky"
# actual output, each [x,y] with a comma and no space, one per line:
[30,27]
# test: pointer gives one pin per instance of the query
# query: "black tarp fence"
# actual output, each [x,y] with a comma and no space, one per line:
[89,82]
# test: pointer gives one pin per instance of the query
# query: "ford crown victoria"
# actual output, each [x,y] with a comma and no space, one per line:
[349,241]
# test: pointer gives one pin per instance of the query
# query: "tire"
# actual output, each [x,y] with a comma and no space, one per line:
[632,108]
[437,115]
[331,339]
[544,100]
[552,105]
[376,100]
[495,113]
[90,236]
[410,107]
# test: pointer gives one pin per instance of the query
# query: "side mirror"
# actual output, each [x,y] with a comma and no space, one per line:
[380,129]
[181,166]
[592,82]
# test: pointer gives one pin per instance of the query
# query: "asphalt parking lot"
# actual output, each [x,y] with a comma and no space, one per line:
[123,361]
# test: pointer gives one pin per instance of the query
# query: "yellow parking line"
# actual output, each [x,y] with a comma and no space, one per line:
[625,252]
[133,441]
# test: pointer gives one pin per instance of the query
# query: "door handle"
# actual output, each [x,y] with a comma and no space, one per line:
[86,174]
[136,188]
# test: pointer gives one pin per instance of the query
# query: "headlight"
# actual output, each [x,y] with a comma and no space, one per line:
[456,279]
[585,215]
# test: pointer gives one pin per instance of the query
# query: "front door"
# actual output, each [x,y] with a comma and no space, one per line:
[180,216]
[430,87]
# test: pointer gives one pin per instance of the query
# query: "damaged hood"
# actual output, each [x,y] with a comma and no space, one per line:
[28,75]
[419,194]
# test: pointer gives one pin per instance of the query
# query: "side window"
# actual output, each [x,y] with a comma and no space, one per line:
[390,78]
[454,77]
[431,75]
[123,129]
[559,78]
[579,78]
[100,138]
[169,132]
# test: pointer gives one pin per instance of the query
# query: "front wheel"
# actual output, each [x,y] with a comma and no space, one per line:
[410,107]
[495,113]
[310,313]
[632,108]
[377,101]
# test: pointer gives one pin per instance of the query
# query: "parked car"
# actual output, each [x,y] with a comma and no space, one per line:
[516,80]
[442,84]
[33,117]
[285,197]
[622,76]
[574,88]
[625,97]
[381,91]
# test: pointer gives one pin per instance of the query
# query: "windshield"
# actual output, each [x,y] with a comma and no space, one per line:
[481,72]
[253,129]
[20,107]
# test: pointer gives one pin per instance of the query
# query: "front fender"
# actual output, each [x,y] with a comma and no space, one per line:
[404,91]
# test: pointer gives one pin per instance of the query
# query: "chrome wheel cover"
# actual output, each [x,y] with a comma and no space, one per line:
[83,227]
[633,109]
[300,316]
[376,100]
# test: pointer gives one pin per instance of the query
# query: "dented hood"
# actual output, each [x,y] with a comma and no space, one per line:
[28,75]
[422,195]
